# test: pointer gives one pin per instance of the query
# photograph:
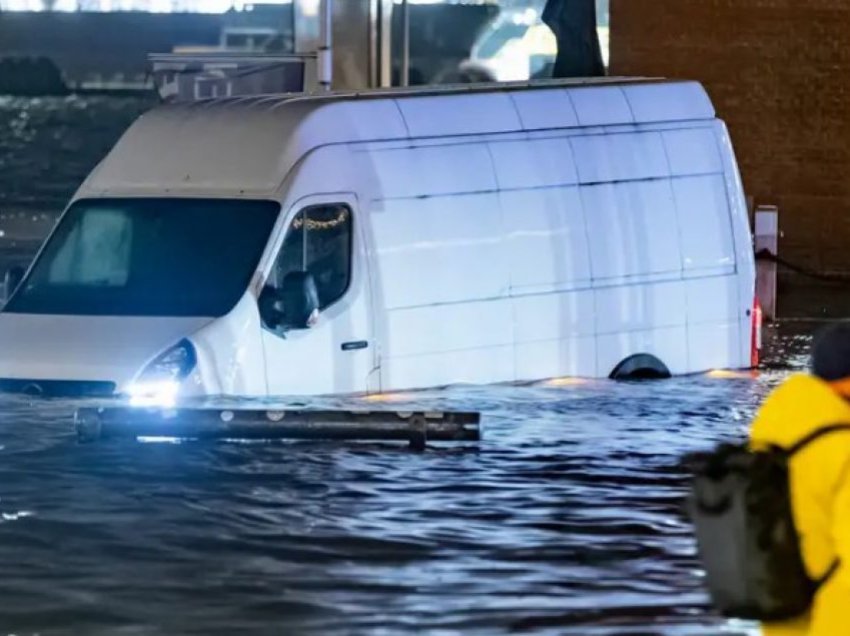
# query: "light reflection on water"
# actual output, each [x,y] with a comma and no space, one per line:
[566,519]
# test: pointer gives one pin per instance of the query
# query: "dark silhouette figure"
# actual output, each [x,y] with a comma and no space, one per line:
[574,24]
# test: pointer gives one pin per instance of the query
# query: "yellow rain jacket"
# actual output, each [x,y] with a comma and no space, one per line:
[820,494]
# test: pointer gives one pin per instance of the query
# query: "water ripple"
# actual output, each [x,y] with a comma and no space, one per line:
[566,519]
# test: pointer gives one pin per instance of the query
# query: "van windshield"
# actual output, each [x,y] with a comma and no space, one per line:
[148,257]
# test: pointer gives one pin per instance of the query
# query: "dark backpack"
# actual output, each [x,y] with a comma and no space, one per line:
[740,504]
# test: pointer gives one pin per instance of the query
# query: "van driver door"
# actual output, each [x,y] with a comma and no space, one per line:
[334,352]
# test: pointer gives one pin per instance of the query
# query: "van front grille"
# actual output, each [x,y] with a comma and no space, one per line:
[58,388]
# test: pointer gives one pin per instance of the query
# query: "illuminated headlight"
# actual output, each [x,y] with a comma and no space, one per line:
[159,383]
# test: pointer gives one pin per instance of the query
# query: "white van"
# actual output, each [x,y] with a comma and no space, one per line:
[275,245]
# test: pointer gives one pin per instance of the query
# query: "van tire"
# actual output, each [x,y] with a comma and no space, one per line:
[642,366]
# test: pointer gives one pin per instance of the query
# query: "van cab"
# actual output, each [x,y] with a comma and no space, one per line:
[280,245]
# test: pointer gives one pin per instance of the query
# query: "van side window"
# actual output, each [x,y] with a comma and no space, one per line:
[319,241]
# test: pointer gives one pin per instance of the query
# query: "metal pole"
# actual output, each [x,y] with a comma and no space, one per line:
[374,42]
[767,238]
[325,52]
[405,43]
[385,53]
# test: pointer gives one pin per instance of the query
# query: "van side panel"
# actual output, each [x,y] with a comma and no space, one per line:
[642,318]
[618,157]
[615,239]
[713,328]
[743,241]
[523,256]
[639,300]
[709,268]
[439,267]
[629,231]
[440,249]
[710,265]
[705,225]
[547,252]
[633,232]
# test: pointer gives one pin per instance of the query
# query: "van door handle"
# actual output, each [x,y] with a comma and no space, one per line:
[355,345]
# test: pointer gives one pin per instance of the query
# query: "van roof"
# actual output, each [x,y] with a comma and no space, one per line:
[245,146]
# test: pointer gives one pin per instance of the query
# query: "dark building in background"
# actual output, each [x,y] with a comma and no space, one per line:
[779,74]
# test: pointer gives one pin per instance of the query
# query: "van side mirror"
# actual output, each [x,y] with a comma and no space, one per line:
[294,305]
[13,278]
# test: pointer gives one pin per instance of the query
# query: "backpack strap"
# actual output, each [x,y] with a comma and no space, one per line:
[796,448]
[828,574]
[815,435]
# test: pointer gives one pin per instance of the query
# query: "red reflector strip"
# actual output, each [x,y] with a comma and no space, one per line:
[755,342]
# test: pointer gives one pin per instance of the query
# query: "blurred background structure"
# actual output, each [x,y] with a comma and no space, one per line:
[104,43]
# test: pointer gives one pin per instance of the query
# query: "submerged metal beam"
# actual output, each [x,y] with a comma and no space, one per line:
[416,428]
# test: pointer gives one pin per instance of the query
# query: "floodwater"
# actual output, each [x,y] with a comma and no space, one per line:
[566,519]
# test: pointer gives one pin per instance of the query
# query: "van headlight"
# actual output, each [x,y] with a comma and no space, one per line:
[159,382]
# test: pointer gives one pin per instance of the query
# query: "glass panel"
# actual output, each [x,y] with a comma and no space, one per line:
[328,250]
[319,241]
[97,251]
[148,257]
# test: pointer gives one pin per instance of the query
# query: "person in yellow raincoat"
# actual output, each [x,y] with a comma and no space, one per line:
[819,477]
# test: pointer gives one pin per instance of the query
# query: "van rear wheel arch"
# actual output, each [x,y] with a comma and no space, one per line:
[641,366]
